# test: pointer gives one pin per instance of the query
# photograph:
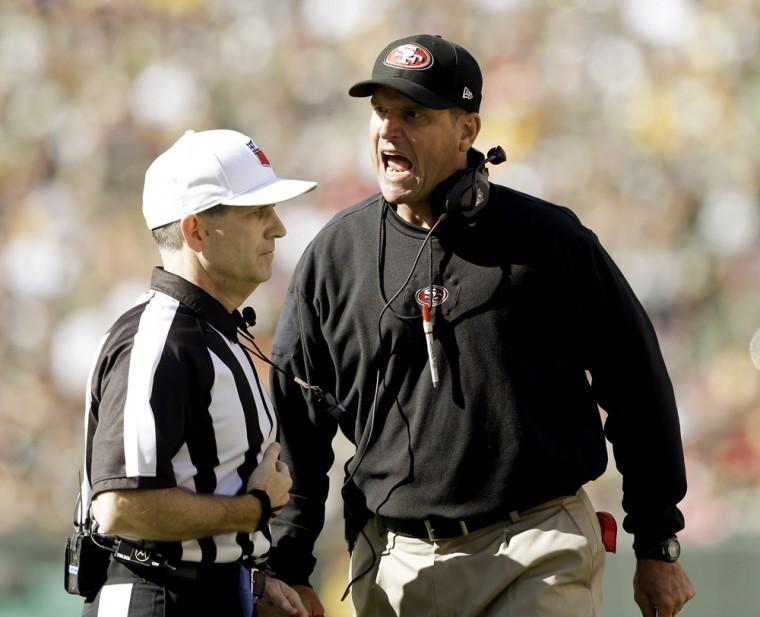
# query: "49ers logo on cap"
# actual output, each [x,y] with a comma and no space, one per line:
[409,56]
[440,295]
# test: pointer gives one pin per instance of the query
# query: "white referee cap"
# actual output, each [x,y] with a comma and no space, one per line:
[207,168]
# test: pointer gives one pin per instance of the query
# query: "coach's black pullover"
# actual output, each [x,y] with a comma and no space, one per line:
[533,302]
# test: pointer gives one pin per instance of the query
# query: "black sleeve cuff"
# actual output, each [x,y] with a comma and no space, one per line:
[666,550]
[645,542]
[290,568]
[266,507]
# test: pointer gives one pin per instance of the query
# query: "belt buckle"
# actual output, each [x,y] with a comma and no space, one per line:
[430,530]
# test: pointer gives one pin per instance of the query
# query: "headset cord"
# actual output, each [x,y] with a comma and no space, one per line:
[334,407]
[363,446]
[430,294]
[364,442]
[380,260]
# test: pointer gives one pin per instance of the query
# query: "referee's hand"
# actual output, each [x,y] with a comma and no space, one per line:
[272,476]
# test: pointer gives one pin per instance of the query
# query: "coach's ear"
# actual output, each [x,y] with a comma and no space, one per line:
[192,231]
[469,129]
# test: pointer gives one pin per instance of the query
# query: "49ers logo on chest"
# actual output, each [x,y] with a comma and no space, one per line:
[409,56]
[439,296]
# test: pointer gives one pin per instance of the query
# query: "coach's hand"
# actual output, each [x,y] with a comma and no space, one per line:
[272,476]
[661,588]
[280,599]
[310,600]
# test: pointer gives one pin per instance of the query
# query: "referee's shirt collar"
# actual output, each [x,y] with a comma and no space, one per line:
[199,301]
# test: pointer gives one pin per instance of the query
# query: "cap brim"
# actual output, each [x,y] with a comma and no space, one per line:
[275,192]
[413,90]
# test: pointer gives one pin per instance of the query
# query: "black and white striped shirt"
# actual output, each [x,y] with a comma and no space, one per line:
[174,400]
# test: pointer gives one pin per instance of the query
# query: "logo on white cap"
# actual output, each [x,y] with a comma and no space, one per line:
[259,153]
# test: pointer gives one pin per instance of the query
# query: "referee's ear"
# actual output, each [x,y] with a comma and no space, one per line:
[192,232]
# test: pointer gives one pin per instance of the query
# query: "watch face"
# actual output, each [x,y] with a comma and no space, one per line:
[672,549]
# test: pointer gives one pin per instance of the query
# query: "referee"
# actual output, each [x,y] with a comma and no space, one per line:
[181,462]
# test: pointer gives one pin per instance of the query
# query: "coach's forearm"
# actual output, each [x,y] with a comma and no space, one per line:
[173,514]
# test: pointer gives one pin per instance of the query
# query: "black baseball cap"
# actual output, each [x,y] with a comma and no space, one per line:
[429,70]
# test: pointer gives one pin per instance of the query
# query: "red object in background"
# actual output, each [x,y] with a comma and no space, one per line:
[609,531]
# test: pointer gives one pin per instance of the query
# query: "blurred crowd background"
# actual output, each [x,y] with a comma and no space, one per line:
[642,116]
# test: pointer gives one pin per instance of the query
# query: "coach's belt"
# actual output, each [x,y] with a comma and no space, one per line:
[437,528]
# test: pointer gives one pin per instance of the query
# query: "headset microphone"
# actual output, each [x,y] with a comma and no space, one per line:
[247,319]
[249,316]
[496,156]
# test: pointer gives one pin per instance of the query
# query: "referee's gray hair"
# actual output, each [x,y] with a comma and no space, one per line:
[169,236]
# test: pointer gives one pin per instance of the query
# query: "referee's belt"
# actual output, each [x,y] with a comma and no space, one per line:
[200,571]
[134,553]
[439,528]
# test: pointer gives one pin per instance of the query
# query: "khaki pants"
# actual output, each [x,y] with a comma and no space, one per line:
[546,562]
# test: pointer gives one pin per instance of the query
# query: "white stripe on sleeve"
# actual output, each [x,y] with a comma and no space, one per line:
[139,423]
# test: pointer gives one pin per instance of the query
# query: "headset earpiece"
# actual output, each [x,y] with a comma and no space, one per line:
[466,192]
[454,195]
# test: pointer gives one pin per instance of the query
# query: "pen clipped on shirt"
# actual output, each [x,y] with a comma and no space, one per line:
[427,328]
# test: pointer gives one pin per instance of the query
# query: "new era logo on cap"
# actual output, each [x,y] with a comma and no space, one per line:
[466,94]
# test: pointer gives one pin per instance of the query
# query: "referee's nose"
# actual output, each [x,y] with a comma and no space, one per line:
[275,227]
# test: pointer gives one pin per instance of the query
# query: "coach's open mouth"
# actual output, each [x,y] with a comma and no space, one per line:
[395,163]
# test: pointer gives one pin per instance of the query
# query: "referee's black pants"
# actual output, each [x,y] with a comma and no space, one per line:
[139,591]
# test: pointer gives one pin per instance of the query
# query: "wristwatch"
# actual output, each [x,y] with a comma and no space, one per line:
[266,507]
[668,550]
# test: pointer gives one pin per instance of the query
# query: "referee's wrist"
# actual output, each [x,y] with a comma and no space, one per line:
[266,507]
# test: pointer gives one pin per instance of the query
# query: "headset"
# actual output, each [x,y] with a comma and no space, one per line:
[465,193]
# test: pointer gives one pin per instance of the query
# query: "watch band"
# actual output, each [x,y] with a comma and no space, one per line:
[258,583]
[266,507]
[668,550]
